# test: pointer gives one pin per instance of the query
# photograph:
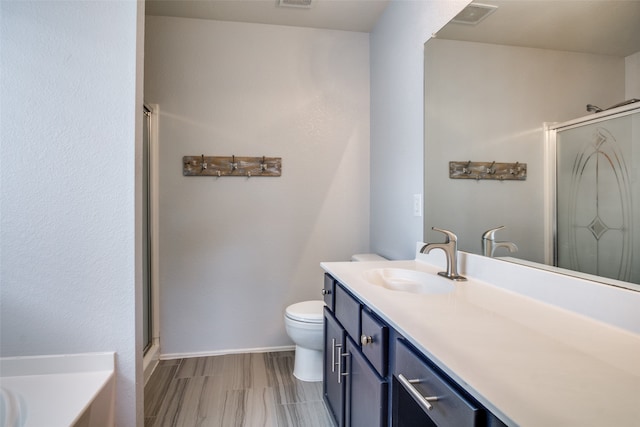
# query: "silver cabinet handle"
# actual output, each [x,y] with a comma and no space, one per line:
[334,347]
[340,373]
[364,339]
[421,400]
[326,291]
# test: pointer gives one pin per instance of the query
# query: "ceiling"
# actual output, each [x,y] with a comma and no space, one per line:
[610,27]
[607,27]
[347,15]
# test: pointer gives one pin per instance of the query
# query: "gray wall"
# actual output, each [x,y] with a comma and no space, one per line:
[397,120]
[632,76]
[70,95]
[234,252]
[487,102]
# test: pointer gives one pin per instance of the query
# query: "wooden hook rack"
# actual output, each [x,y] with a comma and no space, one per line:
[231,166]
[488,170]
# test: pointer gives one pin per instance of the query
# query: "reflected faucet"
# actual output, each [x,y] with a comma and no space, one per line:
[490,244]
[450,248]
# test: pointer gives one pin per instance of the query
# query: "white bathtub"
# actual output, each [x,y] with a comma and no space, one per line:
[57,391]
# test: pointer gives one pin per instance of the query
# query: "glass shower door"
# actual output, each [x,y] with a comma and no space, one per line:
[598,211]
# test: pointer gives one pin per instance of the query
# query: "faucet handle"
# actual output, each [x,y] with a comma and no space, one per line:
[491,234]
[449,235]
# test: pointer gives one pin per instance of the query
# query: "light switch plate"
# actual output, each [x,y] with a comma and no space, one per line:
[417,205]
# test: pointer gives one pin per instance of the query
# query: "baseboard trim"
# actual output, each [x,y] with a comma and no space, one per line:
[170,356]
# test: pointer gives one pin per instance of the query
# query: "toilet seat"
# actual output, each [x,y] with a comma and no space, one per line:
[306,311]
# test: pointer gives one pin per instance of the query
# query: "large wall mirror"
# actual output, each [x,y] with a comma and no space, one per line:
[492,90]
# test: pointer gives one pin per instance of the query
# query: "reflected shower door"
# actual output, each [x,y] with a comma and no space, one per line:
[597,196]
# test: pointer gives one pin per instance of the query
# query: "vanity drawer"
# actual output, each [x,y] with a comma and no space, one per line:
[347,311]
[451,409]
[328,290]
[374,340]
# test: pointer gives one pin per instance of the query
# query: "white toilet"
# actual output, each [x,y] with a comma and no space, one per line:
[304,324]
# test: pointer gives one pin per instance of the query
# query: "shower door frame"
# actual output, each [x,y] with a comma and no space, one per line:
[550,183]
[151,355]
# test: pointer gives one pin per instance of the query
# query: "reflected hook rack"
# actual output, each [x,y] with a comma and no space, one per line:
[219,166]
[488,170]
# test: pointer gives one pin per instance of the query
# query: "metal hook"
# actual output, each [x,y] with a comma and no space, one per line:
[490,169]
[203,164]
[466,169]
[516,169]
[234,165]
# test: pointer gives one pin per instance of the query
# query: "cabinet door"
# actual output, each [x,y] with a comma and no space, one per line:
[333,388]
[347,311]
[375,341]
[328,290]
[414,378]
[366,403]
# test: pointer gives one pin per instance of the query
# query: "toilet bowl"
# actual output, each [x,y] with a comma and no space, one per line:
[304,324]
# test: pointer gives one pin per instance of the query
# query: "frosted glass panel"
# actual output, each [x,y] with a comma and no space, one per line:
[598,191]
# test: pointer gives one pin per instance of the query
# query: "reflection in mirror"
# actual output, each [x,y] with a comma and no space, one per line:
[595,207]
[490,90]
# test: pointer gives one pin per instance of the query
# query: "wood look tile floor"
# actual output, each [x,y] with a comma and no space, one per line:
[243,390]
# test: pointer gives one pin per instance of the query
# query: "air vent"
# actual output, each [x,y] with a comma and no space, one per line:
[473,14]
[296,3]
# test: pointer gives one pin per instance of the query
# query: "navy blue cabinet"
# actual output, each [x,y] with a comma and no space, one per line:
[328,290]
[354,390]
[373,377]
[347,311]
[374,339]
[366,397]
[333,387]
[441,404]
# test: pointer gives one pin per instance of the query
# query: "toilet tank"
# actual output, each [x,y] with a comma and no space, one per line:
[367,257]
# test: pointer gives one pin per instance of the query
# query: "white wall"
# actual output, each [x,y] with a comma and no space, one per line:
[397,120]
[234,252]
[69,98]
[487,102]
[632,76]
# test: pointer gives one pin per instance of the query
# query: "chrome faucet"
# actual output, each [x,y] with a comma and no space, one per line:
[490,244]
[450,248]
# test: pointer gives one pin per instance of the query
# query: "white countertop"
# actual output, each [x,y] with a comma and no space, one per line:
[530,363]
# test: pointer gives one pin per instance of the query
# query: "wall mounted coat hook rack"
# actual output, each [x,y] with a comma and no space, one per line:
[488,170]
[231,166]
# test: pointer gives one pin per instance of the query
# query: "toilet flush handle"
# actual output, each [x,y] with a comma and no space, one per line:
[326,291]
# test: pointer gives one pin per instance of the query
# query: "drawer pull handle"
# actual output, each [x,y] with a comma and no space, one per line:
[340,373]
[421,400]
[326,291]
[364,339]
[334,347]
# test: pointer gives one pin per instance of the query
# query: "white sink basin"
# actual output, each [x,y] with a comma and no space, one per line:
[400,279]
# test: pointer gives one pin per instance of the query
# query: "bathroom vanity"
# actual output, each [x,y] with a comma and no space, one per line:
[406,347]
[355,383]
